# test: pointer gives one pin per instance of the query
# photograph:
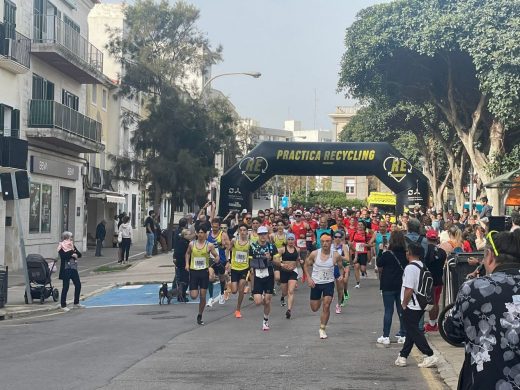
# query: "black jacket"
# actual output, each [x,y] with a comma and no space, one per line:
[393,264]
[101,231]
[65,257]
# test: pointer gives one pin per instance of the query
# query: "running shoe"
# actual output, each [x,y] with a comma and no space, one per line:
[238,314]
[65,309]
[282,301]
[431,328]
[357,285]
[429,361]
[288,314]
[78,306]
[384,340]
[400,361]
[274,292]
[323,334]
[210,303]
[401,339]
[199,319]
[265,325]
[221,299]
[338,309]
[346,296]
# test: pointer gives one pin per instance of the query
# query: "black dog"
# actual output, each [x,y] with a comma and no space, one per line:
[164,294]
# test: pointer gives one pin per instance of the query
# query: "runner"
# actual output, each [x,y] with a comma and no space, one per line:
[339,246]
[197,264]
[321,281]
[379,241]
[299,229]
[290,255]
[261,255]
[279,239]
[220,240]
[359,248]
[239,265]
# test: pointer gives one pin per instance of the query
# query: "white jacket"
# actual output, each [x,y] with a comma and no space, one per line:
[126,230]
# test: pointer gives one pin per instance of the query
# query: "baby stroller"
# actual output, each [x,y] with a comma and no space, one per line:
[40,271]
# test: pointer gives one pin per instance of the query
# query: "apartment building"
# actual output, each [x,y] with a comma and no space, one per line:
[46,63]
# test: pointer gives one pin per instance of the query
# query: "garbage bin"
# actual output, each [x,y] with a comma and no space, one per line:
[3,286]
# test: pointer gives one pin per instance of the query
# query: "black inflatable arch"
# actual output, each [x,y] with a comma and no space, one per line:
[270,158]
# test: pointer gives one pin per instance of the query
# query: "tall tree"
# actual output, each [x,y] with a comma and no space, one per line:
[459,56]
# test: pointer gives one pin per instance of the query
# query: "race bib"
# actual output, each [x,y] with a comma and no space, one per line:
[360,247]
[301,243]
[324,275]
[199,263]
[241,257]
[262,273]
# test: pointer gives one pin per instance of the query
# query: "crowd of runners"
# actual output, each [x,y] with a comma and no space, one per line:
[265,255]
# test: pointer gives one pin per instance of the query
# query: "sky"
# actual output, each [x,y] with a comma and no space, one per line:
[297,45]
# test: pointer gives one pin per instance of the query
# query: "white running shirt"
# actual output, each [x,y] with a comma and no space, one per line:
[323,271]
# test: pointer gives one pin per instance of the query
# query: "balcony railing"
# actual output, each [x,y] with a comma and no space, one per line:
[51,29]
[50,114]
[15,46]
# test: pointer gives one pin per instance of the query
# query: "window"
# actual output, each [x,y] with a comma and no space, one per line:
[42,89]
[9,19]
[40,208]
[9,121]
[94,94]
[105,98]
[350,186]
[70,100]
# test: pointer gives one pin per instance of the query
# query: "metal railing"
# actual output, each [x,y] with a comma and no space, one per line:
[48,113]
[15,46]
[51,29]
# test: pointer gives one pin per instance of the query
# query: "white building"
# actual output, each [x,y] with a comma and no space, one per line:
[46,62]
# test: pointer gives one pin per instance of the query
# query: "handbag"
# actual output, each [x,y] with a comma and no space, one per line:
[120,237]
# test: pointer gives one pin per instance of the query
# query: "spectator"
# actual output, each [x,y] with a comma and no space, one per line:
[116,230]
[101,233]
[456,221]
[454,243]
[486,318]
[486,208]
[435,259]
[126,233]
[515,221]
[182,241]
[391,264]
[414,235]
[69,256]
[149,225]
[480,237]
[412,312]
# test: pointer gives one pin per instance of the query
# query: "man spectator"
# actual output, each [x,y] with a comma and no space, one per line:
[414,235]
[485,318]
[149,225]
[101,232]
[116,231]
[456,222]
[412,312]
[182,241]
[434,260]
[486,208]
[202,218]
[515,220]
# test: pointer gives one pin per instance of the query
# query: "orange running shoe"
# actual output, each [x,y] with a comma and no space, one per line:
[237,314]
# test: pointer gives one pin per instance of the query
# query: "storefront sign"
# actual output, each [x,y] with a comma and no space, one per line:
[54,168]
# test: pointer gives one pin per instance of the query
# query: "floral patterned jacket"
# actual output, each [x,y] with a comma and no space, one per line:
[486,317]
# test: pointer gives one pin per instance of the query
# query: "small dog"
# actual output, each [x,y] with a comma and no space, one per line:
[164,294]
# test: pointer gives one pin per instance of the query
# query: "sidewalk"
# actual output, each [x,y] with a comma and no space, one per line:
[160,269]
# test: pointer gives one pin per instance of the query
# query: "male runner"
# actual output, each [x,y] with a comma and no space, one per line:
[261,255]
[239,265]
[321,281]
[220,240]
[197,264]
[339,246]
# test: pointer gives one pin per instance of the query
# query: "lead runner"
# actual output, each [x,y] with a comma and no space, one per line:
[321,281]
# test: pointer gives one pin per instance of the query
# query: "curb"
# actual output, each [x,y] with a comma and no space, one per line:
[445,369]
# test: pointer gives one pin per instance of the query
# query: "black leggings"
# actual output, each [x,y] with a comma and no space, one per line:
[68,275]
[125,248]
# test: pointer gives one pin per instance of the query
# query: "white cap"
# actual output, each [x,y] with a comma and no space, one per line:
[262,229]
[244,211]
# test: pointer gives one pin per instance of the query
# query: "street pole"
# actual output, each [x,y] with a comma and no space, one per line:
[306,188]
[20,235]
[471,191]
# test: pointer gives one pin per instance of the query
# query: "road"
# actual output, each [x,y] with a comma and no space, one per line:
[161,347]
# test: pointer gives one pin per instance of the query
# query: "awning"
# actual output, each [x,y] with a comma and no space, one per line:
[513,199]
[107,196]
[507,180]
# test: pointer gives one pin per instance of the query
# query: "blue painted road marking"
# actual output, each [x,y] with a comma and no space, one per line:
[134,295]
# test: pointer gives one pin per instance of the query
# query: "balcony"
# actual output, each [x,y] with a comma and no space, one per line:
[13,154]
[61,126]
[61,46]
[15,50]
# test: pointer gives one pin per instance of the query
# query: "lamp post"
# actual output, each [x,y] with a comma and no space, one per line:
[207,83]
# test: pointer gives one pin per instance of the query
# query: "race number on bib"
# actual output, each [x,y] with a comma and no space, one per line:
[324,275]
[301,243]
[199,263]
[241,257]
[360,247]
[262,273]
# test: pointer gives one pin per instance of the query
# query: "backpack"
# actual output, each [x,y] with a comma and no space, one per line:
[424,292]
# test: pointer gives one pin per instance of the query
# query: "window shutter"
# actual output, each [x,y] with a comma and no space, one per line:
[2,118]
[15,123]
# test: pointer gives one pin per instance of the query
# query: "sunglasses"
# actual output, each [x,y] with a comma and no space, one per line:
[489,237]
[338,237]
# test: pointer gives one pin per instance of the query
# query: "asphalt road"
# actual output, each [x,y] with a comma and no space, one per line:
[161,347]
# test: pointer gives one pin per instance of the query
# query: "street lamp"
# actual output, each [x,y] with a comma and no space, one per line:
[252,74]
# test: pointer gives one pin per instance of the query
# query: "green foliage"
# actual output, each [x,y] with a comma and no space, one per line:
[327,199]
[505,162]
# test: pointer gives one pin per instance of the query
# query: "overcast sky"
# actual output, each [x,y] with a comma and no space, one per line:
[297,46]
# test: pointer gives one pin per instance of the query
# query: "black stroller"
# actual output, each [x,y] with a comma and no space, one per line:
[40,270]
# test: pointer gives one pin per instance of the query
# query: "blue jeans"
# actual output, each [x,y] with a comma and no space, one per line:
[150,239]
[389,299]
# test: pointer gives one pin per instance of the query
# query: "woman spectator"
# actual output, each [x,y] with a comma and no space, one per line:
[125,232]
[480,237]
[468,240]
[455,243]
[391,265]
[69,256]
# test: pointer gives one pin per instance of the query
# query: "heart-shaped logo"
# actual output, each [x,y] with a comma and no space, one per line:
[397,167]
[253,167]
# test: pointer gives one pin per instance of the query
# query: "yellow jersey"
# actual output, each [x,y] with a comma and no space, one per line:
[240,256]
[199,257]
[279,241]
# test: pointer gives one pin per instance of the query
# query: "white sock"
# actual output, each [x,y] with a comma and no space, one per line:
[433,322]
